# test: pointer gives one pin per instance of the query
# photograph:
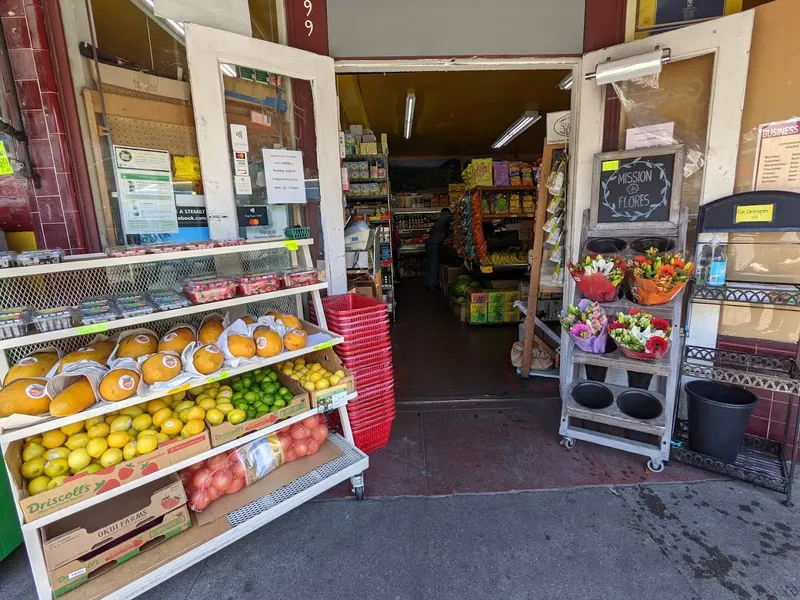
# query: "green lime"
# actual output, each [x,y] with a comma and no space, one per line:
[241,405]
[269,399]
[283,390]
[258,378]
[250,396]
[279,403]
[261,413]
[237,385]
[273,376]
[265,383]
[287,396]
[251,413]
[247,382]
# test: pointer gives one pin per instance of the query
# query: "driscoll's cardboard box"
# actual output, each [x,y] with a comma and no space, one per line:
[85,485]
[96,562]
[330,362]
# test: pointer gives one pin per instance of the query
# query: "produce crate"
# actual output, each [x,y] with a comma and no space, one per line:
[86,485]
[225,431]
[331,362]
[297,233]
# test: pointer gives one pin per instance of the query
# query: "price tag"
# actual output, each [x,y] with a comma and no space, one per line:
[324,345]
[5,164]
[223,375]
[181,388]
[487,270]
[96,328]
[757,213]
[291,245]
[610,165]
[334,401]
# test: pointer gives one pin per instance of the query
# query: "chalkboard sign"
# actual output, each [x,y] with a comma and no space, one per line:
[637,188]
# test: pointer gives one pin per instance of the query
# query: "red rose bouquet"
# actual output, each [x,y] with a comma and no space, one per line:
[640,335]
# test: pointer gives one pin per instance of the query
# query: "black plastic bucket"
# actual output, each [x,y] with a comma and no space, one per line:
[592,395]
[718,416]
[642,245]
[606,245]
[639,380]
[639,405]
[595,373]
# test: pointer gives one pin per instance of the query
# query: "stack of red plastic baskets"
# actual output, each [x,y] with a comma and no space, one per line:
[367,354]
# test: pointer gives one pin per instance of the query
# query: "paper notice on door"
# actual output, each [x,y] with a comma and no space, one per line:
[778,157]
[650,136]
[283,170]
[144,188]
[243,185]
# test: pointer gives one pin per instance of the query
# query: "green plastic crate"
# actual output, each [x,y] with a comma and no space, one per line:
[10,531]
[297,233]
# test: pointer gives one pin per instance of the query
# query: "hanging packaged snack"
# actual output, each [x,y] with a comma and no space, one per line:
[526,174]
[514,203]
[483,171]
[500,173]
[514,179]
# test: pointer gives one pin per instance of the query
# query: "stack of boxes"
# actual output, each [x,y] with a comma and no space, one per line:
[495,305]
[358,141]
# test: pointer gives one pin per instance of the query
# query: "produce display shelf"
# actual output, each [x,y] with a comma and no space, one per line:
[370,180]
[508,267]
[772,373]
[503,188]
[10,435]
[760,293]
[126,487]
[98,263]
[48,336]
[760,461]
[363,156]
[357,198]
[418,211]
[617,360]
[612,415]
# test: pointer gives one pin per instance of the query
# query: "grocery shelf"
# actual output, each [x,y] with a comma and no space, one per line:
[507,216]
[612,415]
[102,408]
[357,198]
[418,211]
[49,336]
[367,156]
[617,360]
[126,487]
[197,543]
[503,188]
[370,180]
[760,293]
[98,263]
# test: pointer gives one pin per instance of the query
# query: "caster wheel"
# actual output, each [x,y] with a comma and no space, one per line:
[359,492]
[568,443]
[655,467]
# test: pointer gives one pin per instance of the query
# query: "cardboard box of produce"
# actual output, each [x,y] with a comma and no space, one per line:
[225,431]
[459,310]
[512,316]
[477,297]
[89,530]
[85,485]
[330,362]
[96,562]
[283,475]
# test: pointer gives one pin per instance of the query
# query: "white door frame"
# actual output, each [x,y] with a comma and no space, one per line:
[728,39]
[206,49]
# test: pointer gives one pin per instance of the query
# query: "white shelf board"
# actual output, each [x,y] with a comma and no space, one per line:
[95,263]
[49,336]
[74,508]
[107,407]
[353,462]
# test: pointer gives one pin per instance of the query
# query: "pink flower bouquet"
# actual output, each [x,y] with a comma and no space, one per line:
[586,324]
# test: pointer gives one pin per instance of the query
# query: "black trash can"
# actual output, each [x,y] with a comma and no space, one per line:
[718,416]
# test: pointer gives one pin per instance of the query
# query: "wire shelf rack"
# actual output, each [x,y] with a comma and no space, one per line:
[763,294]
[741,368]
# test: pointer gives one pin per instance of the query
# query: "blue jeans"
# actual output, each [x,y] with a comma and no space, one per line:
[431,263]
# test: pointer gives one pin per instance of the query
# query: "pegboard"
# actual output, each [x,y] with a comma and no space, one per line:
[177,139]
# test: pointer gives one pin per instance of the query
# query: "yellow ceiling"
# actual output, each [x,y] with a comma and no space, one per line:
[457,113]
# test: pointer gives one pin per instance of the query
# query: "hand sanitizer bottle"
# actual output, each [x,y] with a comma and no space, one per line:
[719,263]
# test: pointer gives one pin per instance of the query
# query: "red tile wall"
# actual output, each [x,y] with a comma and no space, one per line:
[51,210]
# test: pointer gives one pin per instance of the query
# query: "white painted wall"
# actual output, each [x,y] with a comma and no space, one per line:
[422,28]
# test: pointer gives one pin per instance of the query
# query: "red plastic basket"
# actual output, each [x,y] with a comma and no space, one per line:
[373,437]
[362,407]
[351,306]
[366,359]
[375,391]
[358,422]
[373,375]
[345,350]
[367,335]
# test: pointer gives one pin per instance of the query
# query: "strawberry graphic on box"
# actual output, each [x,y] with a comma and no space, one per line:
[126,472]
[149,469]
[170,502]
[107,486]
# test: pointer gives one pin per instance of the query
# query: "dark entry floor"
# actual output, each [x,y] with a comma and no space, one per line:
[438,357]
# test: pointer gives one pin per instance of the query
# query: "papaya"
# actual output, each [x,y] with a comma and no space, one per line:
[135,346]
[176,340]
[73,399]
[210,331]
[268,343]
[35,365]
[119,384]
[161,367]
[295,339]
[241,346]
[207,359]
[24,397]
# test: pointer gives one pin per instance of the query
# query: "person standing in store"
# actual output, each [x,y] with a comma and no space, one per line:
[433,246]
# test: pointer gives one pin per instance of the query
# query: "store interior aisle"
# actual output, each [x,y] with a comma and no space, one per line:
[437,357]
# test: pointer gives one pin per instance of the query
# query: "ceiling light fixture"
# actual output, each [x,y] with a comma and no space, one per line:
[528,118]
[566,83]
[408,122]
[228,70]
[631,67]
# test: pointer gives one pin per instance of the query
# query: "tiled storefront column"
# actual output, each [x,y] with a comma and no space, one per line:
[53,208]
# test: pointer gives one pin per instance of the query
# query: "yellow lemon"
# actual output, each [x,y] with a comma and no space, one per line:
[56,481]
[146,432]
[131,411]
[33,468]
[160,416]
[142,422]
[54,439]
[129,451]
[118,439]
[310,386]
[72,429]
[300,361]
[207,404]
[78,440]
[98,430]
[146,444]
[287,371]
[178,396]
[172,426]
[38,485]
[339,373]
[322,384]
[315,366]
[79,459]
[96,447]
[196,391]
[54,453]
[132,433]
[184,415]
[54,468]
[32,450]
[92,468]
[236,416]
[225,408]
[183,406]
[215,417]
[225,391]
[334,379]
[121,423]
[196,413]
[315,377]
[93,421]
[195,426]
[33,439]
[154,406]
[162,437]
[111,457]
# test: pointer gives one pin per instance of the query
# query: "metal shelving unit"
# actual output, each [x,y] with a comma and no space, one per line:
[753,293]
[67,284]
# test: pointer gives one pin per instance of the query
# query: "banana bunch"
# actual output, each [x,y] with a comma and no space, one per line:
[513,256]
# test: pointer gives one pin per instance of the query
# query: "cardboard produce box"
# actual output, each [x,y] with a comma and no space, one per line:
[330,362]
[91,529]
[85,485]
[225,432]
[97,562]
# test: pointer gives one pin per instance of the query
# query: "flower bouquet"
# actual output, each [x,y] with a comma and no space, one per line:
[640,335]
[587,325]
[658,278]
[599,277]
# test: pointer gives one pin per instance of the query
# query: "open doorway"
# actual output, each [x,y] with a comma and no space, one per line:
[429,127]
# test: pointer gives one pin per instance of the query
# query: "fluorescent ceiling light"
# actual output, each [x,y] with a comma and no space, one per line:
[228,70]
[408,122]
[528,118]
[631,67]
[566,83]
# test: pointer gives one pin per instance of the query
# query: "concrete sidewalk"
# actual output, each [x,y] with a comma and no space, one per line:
[718,540]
